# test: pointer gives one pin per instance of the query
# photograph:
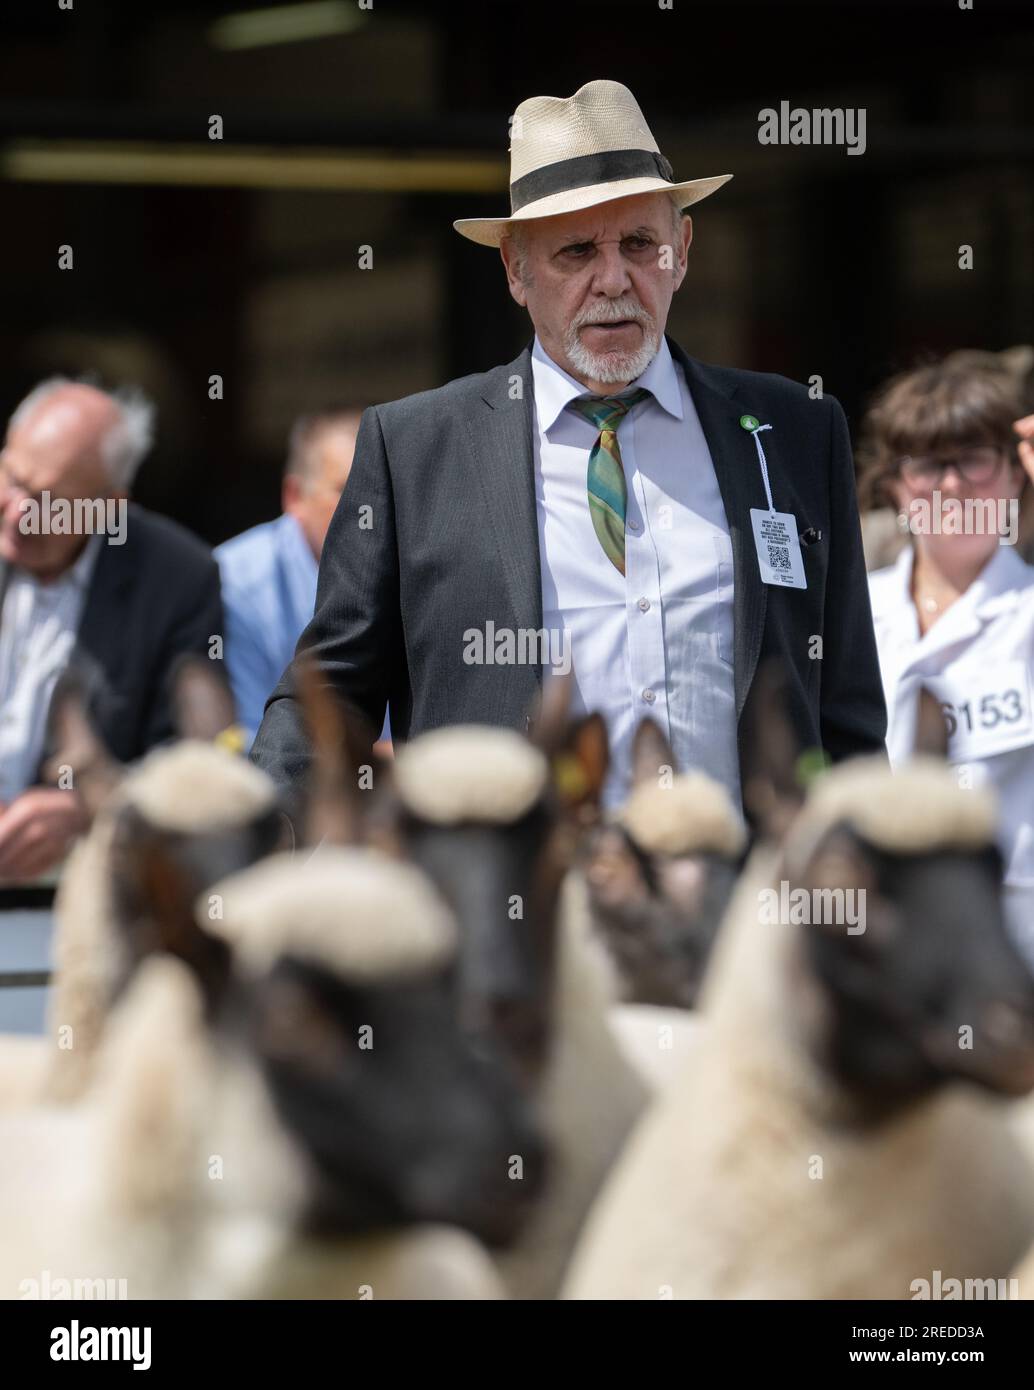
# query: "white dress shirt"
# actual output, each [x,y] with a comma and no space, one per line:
[657,640]
[978,658]
[38,626]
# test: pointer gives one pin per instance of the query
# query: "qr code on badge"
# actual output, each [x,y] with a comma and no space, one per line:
[779,556]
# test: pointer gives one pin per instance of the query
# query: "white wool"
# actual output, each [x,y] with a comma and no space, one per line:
[918,807]
[589,1101]
[719,1194]
[194,786]
[655,1040]
[123,1184]
[48,1176]
[423,1262]
[150,1092]
[190,786]
[692,815]
[24,1062]
[470,772]
[174,1175]
[88,958]
[100,1189]
[363,913]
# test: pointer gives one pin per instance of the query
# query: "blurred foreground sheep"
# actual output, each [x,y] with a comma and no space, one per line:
[495,819]
[659,875]
[192,805]
[267,1153]
[818,1143]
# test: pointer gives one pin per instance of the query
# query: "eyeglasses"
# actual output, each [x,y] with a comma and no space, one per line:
[974,465]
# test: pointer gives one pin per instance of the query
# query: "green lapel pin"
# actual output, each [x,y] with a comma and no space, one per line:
[749,422]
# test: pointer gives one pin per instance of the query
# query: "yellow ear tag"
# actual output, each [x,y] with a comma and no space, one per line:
[569,777]
[233,738]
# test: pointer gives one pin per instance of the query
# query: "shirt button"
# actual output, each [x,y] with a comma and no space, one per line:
[649,696]
[633,525]
[644,605]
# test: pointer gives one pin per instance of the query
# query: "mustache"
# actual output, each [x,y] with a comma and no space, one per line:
[610,312]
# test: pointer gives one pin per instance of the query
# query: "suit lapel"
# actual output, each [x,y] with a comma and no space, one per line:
[101,637]
[501,441]
[735,459]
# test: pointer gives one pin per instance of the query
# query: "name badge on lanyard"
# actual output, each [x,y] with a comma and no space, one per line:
[988,713]
[776,537]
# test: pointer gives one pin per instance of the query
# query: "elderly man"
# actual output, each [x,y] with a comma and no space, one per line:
[91,580]
[677,522]
[269,573]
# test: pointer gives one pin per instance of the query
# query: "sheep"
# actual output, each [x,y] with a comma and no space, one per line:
[817,1144]
[494,819]
[194,798]
[204,804]
[655,1039]
[109,1187]
[324,1150]
[401,1119]
[659,877]
[118,1187]
[660,874]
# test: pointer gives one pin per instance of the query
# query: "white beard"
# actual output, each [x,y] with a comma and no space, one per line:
[606,367]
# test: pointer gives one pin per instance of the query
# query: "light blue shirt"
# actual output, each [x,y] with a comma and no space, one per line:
[268,577]
[658,640]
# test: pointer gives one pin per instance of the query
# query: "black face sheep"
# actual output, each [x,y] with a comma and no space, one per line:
[331,1087]
[659,878]
[660,874]
[174,1178]
[495,820]
[816,1144]
[350,1017]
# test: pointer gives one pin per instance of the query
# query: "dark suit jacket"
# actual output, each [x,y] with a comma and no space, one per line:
[451,541]
[149,601]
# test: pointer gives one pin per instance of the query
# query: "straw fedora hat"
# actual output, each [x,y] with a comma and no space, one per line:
[569,153]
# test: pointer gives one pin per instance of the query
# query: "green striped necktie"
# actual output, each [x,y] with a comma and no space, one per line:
[608,489]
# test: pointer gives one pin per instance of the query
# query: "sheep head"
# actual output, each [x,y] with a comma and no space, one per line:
[906,959]
[349,1011]
[660,876]
[494,819]
[181,819]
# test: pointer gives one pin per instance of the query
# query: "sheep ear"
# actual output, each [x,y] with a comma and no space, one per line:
[166,894]
[772,791]
[841,862]
[651,752]
[342,747]
[383,811]
[931,734]
[579,768]
[78,748]
[550,722]
[202,704]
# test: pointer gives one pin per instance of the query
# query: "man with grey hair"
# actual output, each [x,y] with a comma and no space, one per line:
[269,572]
[605,489]
[118,603]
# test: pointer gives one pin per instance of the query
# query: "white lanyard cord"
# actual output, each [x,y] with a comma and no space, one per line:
[764,464]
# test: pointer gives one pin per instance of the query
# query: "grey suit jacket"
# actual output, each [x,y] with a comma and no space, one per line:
[436,534]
